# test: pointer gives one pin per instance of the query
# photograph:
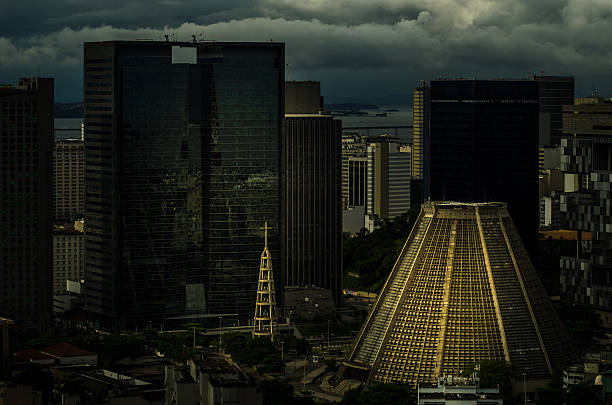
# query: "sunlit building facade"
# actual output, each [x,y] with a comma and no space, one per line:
[463,290]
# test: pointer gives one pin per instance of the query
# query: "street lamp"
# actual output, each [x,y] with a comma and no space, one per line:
[328,335]
[524,388]
[283,357]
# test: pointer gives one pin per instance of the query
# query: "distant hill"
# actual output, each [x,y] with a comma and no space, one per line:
[349,106]
[68,110]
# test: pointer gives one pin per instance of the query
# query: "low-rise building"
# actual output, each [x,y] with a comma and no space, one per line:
[210,380]
[62,354]
[11,394]
[458,390]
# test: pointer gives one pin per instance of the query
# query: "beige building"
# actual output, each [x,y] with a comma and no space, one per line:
[68,258]
[68,180]
[388,182]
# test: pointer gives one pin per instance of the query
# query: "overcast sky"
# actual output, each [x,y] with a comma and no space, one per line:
[356,48]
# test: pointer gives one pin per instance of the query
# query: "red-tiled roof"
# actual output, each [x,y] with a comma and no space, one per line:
[25,356]
[66,350]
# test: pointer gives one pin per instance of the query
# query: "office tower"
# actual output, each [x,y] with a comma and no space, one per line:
[356,182]
[68,179]
[312,176]
[303,97]
[554,93]
[484,146]
[68,257]
[420,129]
[388,183]
[26,147]
[182,161]
[354,170]
[463,290]
[586,162]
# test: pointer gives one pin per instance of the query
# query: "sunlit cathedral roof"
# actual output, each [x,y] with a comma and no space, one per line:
[463,290]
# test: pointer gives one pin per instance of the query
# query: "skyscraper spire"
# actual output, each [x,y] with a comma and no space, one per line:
[265,304]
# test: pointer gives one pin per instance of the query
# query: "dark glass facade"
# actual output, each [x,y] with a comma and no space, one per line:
[484,146]
[195,164]
[26,148]
[313,204]
[555,92]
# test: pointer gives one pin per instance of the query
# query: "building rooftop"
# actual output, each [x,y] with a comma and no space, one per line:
[222,371]
[66,350]
[26,356]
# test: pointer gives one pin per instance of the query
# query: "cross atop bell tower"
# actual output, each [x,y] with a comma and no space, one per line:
[266,317]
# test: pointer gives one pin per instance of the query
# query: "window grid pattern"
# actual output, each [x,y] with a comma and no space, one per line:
[468,294]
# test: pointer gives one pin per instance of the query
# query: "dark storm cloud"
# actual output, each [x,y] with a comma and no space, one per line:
[45,16]
[385,40]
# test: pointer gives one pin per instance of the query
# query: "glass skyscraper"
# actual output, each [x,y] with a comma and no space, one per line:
[182,170]
[484,146]
[26,255]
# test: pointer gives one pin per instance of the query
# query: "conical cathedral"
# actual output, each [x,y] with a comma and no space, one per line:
[463,290]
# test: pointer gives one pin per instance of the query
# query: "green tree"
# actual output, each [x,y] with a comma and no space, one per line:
[582,394]
[372,255]
[256,352]
[277,392]
[494,372]
[117,347]
[583,324]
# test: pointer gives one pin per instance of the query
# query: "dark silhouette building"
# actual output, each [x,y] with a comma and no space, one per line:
[313,193]
[484,146]
[26,148]
[183,156]
[555,92]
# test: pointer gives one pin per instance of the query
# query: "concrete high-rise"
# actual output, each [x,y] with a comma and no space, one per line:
[586,162]
[69,179]
[183,158]
[313,196]
[26,147]
[356,181]
[354,170]
[463,290]
[484,146]
[68,258]
[388,182]
[420,130]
